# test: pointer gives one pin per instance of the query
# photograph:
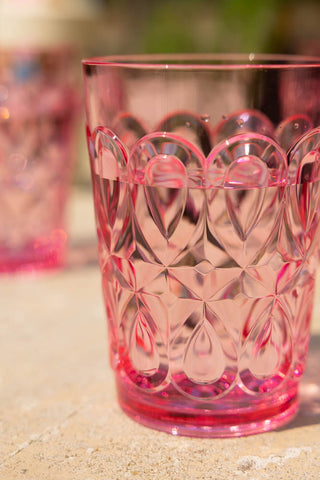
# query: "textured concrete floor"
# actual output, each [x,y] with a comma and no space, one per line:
[59,418]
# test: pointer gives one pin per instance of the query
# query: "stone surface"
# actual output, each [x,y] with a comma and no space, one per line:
[59,417]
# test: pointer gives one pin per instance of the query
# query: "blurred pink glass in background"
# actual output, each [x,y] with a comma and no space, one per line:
[39,102]
[37,111]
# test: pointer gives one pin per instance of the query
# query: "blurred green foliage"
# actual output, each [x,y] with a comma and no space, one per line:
[153,26]
[203,25]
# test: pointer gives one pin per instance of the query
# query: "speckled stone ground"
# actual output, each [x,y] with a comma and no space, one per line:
[59,418]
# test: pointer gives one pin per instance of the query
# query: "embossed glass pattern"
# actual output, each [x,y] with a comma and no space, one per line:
[206,191]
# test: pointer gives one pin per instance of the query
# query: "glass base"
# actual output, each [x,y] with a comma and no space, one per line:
[48,257]
[261,416]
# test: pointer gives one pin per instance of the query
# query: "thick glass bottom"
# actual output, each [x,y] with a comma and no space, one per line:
[193,419]
[47,257]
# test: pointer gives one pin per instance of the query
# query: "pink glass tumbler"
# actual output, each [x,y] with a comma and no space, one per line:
[37,111]
[205,174]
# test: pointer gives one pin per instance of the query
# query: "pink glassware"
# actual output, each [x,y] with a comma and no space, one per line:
[37,109]
[205,174]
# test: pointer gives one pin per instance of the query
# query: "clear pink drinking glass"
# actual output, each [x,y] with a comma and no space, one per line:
[205,174]
[37,111]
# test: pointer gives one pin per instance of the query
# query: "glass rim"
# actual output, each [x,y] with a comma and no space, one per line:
[207,61]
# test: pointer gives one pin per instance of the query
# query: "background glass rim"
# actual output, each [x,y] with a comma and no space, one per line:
[206,61]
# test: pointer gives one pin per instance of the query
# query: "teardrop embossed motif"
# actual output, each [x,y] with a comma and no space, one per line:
[244,205]
[302,211]
[291,129]
[129,128]
[143,349]
[267,349]
[110,175]
[307,189]
[148,366]
[203,361]
[243,121]
[165,192]
[169,211]
[189,126]
[239,214]
[164,145]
